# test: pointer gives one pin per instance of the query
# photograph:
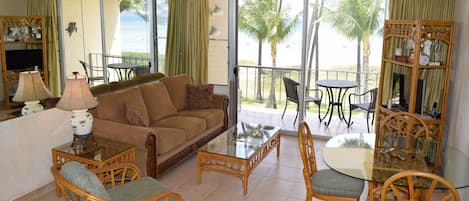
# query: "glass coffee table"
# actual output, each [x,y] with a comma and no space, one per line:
[238,150]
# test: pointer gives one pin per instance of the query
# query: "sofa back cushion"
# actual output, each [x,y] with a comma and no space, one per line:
[177,89]
[158,101]
[112,106]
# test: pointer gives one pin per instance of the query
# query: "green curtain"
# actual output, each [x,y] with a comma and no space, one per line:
[48,8]
[421,10]
[187,42]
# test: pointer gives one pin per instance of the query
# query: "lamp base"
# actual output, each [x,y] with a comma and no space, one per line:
[82,122]
[83,140]
[31,107]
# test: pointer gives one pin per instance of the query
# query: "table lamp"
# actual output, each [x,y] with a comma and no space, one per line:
[30,90]
[77,98]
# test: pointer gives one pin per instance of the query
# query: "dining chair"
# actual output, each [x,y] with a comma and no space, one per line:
[415,185]
[403,135]
[404,131]
[116,182]
[291,90]
[92,73]
[369,106]
[324,184]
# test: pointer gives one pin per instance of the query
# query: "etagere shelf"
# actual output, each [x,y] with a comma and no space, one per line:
[415,74]
[22,48]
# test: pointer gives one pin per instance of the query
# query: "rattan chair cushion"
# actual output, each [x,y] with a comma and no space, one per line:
[138,189]
[333,183]
[83,178]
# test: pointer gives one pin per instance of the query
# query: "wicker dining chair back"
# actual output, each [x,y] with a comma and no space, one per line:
[417,186]
[404,131]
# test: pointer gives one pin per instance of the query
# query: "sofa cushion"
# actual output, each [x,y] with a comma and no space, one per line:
[139,189]
[213,117]
[168,138]
[112,105]
[157,100]
[199,96]
[77,174]
[192,126]
[134,116]
[177,89]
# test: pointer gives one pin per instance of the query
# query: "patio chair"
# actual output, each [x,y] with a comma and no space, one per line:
[117,182]
[415,185]
[92,73]
[368,106]
[142,70]
[291,89]
[324,184]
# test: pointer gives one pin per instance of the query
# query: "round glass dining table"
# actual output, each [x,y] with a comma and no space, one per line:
[355,155]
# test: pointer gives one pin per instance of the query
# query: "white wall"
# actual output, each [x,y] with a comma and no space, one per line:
[25,150]
[218,45]
[458,113]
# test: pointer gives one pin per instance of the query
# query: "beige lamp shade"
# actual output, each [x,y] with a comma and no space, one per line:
[31,87]
[77,95]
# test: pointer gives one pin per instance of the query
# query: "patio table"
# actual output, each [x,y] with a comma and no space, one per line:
[342,86]
[128,68]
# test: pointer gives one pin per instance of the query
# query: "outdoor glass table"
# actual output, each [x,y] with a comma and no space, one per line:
[342,86]
[123,70]
[355,155]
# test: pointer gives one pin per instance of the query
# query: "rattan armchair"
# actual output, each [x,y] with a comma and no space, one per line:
[414,185]
[324,184]
[117,176]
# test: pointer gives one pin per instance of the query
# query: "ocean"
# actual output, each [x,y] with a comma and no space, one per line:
[334,49]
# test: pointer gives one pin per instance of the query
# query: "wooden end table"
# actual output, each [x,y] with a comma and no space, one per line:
[238,150]
[102,153]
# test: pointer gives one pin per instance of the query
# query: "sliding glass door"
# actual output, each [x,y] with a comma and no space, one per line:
[128,37]
[107,33]
[269,41]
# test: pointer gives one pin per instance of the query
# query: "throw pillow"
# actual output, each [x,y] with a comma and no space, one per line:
[134,116]
[199,96]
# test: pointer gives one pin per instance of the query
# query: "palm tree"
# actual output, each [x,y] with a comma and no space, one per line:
[279,26]
[252,22]
[313,39]
[139,6]
[358,20]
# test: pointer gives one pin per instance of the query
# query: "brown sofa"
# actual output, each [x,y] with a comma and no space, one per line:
[151,114]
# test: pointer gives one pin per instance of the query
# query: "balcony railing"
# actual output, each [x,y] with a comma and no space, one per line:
[96,61]
[248,81]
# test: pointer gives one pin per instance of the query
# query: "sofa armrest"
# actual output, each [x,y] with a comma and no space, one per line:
[143,138]
[221,102]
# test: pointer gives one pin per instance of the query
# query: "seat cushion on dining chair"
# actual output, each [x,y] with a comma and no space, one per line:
[138,189]
[330,182]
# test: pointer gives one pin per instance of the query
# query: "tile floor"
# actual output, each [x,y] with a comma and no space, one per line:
[273,180]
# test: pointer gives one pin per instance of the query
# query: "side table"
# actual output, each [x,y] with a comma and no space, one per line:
[103,153]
